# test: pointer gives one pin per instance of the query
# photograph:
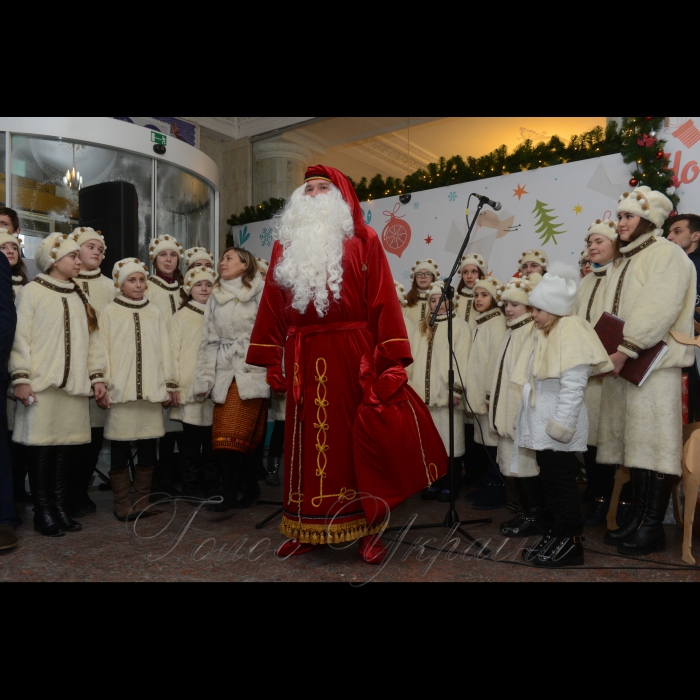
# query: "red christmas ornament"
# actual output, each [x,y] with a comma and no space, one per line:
[396,236]
[660,155]
[634,182]
[648,118]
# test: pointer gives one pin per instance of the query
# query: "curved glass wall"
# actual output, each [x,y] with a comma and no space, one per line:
[3,189]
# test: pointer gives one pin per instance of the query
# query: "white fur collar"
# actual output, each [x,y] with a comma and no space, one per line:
[86,275]
[131,302]
[642,240]
[57,283]
[16,281]
[234,290]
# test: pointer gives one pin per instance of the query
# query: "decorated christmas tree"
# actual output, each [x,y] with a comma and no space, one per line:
[547,223]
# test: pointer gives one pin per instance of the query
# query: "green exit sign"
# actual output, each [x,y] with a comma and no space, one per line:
[162,139]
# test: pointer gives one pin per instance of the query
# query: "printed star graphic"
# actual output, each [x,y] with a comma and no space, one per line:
[520,192]
[578,209]
[429,240]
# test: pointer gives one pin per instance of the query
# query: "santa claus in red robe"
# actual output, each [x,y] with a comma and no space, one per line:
[358,440]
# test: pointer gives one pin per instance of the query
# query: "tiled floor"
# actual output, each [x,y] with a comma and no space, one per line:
[184,544]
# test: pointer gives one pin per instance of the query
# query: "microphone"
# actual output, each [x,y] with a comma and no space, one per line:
[496,206]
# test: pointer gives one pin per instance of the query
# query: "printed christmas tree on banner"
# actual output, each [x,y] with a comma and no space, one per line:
[547,226]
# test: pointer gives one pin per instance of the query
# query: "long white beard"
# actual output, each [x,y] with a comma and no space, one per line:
[313,231]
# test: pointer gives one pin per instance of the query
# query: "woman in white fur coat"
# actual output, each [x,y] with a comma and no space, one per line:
[428,377]
[135,337]
[603,249]
[553,418]
[238,390]
[653,291]
[56,363]
[196,416]
[101,291]
[487,336]
[504,407]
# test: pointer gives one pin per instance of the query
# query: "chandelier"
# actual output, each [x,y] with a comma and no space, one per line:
[72,178]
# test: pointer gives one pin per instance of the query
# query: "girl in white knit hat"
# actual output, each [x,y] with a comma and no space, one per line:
[533,262]
[603,249]
[472,269]
[196,416]
[100,290]
[12,247]
[487,337]
[504,407]
[428,376]
[553,419]
[56,363]
[653,291]
[424,275]
[135,337]
[198,257]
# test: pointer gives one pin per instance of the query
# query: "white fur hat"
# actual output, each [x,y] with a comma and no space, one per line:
[426,266]
[52,249]
[401,293]
[476,260]
[194,255]
[536,256]
[83,235]
[518,290]
[158,245]
[493,286]
[263,265]
[556,293]
[7,237]
[198,274]
[648,204]
[124,268]
[607,228]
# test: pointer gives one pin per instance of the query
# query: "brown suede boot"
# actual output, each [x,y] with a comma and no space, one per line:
[143,485]
[121,485]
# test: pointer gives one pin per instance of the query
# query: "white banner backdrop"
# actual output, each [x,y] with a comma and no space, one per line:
[549,208]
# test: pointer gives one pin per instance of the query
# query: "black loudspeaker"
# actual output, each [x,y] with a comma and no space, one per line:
[113,208]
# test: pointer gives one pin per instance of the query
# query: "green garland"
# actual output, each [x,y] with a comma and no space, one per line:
[651,170]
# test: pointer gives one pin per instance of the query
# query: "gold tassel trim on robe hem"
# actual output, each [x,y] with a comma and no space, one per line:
[318,535]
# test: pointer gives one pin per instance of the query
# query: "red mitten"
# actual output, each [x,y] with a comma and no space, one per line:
[276,380]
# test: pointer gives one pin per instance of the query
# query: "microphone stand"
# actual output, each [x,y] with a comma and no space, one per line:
[452,517]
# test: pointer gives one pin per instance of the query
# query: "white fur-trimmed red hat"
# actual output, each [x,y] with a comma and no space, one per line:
[647,204]
[124,268]
[426,266]
[158,245]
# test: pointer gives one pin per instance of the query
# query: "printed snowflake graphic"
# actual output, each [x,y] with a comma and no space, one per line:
[416,205]
[407,274]
[266,237]
[452,197]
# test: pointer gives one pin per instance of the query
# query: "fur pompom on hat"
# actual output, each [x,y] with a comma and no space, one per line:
[263,265]
[127,267]
[491,285]
[536,256]
[7,237]
[429,266]
[647,204]
[518,290]
[198,274]
[476,260]
[158,245]
[194,255]
[607,228]
[52,249]
[401,293]
[556,293]
[83,235]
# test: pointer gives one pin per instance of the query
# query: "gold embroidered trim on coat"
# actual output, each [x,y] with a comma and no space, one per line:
[428,366]
[497,396]
[66,342]
[642,247]
[89,278]
[171,386]
[167,287]
[592,299]
[319,535]
[86,288]
[631,347]
[395,340]
[139,358]
[53,287]
[195,309]
[604,273]
[493,314]
[522,324]
[172,304]
[257,345]
[126,305]
[15,377]
[618,291]
[96,376]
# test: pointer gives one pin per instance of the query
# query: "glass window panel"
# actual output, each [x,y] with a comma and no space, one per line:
[47,175]
[185,207]
[2,170]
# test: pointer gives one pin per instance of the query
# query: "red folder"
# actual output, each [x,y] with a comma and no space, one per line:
[610,330]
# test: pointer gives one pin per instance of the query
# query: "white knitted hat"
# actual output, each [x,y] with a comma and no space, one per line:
[476,260]
[536,256]
[556,293]
[52,249]
[194,255]
[158,245]
[124,268]
[401,293]
[198,274]
[7,237]
[491,285]
[518,290]
[607,228]
[263,265]
[648,204]
[426,266]
[83,235]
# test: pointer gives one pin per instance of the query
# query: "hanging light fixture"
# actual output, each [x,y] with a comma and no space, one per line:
[72,178]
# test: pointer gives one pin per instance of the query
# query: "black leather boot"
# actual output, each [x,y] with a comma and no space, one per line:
[251,489]
[41,478]
[562,552]
[63,464]
[650,536]
[274,465]
[640,486]
[192,483]
[230,479]
[530,518]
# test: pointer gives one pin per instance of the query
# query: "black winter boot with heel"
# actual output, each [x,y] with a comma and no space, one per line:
[41,479]
[640,487]
[529,520]
[650,537]
[249,481]
[63,465]
[564,550]
[230,480]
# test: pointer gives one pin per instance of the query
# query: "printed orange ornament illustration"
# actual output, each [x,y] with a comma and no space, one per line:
[396,236]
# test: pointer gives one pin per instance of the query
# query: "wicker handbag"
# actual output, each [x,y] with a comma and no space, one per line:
[239,426]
